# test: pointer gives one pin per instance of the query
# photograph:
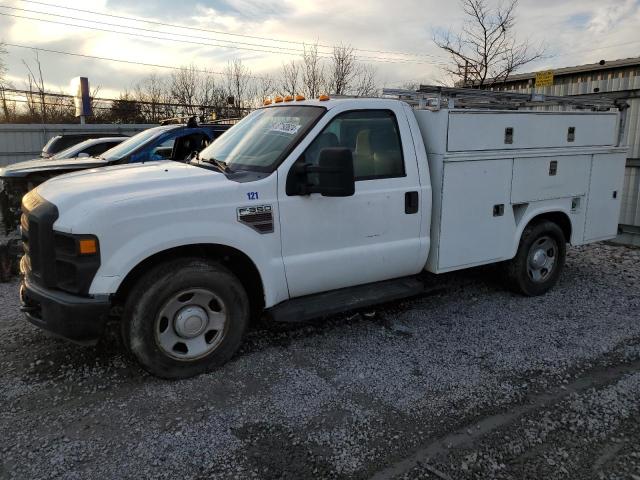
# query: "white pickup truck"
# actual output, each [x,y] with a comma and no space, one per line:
[306,208]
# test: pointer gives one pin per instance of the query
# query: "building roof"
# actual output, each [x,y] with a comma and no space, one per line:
[590,67]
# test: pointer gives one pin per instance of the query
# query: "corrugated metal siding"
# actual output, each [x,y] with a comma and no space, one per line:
[24,142]
[630,213]
[633,128]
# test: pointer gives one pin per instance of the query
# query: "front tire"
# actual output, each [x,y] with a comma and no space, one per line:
[540,259]
[185,317]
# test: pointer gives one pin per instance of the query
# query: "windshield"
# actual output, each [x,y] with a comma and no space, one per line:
[73,150]
[45,150]
[262,138]
[128,146]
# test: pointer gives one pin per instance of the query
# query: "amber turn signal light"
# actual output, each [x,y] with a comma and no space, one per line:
[88,246]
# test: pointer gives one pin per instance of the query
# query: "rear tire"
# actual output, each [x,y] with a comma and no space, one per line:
[539,261]
[185,317]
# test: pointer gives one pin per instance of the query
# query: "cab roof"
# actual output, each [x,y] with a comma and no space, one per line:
[335,102]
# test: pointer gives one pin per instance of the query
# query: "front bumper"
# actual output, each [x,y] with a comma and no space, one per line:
[78,319]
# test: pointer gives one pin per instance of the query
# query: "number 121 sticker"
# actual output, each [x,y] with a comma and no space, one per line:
[252,195]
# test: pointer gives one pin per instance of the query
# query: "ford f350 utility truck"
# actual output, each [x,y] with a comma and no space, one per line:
[306,208]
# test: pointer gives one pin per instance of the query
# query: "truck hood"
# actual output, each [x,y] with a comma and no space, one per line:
[94,189]
[40,165]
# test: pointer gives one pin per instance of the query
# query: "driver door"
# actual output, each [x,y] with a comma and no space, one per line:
[329,242]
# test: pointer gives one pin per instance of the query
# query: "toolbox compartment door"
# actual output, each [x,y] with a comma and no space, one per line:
[490,130]
[605,194]
[544,178]
[477,224]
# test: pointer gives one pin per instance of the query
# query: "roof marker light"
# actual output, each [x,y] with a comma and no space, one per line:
[299,98]
[288,98]
[324,98]
[267,101]
[278,99]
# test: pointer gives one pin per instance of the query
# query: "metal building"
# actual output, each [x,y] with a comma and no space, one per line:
[616,78]
[20,142]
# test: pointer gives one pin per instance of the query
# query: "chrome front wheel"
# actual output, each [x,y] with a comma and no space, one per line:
[191,324]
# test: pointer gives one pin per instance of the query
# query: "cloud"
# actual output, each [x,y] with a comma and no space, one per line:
[608,17]
[574,32]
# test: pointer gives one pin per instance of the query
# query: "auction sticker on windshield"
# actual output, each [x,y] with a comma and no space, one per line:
[285,127]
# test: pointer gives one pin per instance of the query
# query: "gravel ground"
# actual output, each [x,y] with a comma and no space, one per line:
[469,382]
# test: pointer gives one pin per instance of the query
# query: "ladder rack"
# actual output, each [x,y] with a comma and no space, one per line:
[437,97]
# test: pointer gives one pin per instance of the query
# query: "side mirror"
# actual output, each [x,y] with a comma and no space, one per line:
[332,177]
[83,155]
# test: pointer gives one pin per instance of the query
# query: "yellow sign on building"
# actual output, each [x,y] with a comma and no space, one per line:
[544,79]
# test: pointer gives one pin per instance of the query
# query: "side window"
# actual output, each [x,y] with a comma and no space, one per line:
[184,146]
[372,136]
[99,148]
[163,151]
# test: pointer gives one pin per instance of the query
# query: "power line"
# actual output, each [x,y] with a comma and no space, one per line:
[218,32]
[130,62]
[375,59]
[297,51]
[118,60]
[602,47]
[138,35]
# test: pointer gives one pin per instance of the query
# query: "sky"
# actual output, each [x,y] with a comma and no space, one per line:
[395,37]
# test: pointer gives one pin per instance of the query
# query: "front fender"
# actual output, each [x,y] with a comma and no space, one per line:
[262,249]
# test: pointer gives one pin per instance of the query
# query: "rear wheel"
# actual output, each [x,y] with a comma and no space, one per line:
[185,317]
[539,260]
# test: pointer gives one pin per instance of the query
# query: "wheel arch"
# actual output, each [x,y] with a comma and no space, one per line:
[236,261]
[557,216]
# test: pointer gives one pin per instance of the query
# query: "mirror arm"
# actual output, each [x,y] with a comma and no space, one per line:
[305,168]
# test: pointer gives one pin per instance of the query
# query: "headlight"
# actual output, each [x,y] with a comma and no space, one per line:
[77,261]
[31,200]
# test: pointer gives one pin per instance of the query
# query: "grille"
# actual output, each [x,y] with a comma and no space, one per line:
[36,225]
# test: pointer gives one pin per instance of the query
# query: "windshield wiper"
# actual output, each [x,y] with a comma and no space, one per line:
[219,164]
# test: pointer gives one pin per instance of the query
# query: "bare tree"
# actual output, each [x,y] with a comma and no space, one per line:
[237,77]
[153,92]
[313,80]
[486,51]
[6,108]
[290,78]
[60,108]
[349,77]
[184,85]
[211,94]
[365,81]
[264,86]
[36,95]
[343,70]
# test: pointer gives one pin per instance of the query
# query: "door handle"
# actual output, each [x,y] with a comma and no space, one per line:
[411,203]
